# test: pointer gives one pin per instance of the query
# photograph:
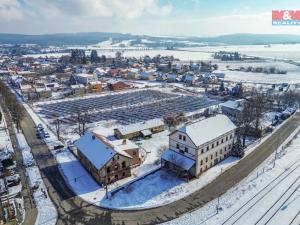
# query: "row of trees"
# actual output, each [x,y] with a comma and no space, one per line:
[13,105]
[254,107]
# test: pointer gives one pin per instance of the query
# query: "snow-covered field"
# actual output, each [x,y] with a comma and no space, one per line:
[47,214]
[267,193]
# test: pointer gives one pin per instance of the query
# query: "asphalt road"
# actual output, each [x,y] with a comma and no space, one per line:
[73,210]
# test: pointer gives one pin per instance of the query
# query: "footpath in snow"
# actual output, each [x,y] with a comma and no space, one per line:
[47,214]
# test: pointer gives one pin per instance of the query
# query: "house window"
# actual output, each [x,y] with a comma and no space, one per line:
[123,164]
[108,180]
[230,136]
[123,174]
[181,151]
[108,169]
[207,148]
[118,157]
[227,138]
[211,164]
[180,136]
[206,160]
[177,146]
[211,156]
[134,152]
[186,149]
[201,170]
[222,140]
[116,167]
[202,150]
[184,138]
[221,151]
[116,176]
[225,149]
[216,154]
[229,147]
[217,143]
[201,162]
[212,146]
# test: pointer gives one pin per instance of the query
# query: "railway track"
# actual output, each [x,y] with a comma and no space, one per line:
[252,202]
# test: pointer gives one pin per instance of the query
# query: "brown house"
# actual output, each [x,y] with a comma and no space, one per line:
[116,85]
[101,160]
[95,86]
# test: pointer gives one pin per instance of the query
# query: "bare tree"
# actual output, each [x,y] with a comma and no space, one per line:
[82,119]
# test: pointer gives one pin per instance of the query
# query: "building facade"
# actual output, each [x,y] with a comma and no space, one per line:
[201,145]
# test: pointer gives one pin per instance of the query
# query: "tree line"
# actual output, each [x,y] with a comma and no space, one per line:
[14,107]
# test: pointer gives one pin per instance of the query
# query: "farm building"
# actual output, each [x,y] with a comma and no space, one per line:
[142,129]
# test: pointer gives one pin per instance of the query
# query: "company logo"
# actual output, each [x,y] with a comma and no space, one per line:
[286,17]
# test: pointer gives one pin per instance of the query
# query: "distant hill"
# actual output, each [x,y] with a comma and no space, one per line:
[95,37]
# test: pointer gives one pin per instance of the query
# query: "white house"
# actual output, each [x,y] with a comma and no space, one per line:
[198,146]
[84,78]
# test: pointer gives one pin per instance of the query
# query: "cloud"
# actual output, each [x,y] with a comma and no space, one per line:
[121,9]
[10,10]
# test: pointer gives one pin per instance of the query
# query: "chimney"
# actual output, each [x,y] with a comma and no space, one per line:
[124,142]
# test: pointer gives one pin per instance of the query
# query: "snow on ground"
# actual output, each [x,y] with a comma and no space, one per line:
[233,199]
[141,194]
[47,214]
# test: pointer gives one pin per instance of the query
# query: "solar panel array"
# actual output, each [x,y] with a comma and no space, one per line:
[127,108]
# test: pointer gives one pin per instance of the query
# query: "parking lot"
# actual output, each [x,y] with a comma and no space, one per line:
[126,108]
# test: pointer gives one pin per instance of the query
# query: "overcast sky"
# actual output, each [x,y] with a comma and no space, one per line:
[152,17]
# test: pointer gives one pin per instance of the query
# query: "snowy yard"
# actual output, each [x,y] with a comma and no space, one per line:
[251,190]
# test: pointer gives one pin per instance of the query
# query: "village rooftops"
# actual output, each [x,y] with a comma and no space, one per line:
[122,145]
[140,126]
[209,129]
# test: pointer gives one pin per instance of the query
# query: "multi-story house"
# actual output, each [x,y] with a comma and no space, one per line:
[198,146]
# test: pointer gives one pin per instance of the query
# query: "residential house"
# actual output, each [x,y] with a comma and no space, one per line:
[78,89]
[232,108]
[190,79]
[142,129]
[116,85]
[104,162]
[147,75]
[84,78]
[95,86]
[198,146]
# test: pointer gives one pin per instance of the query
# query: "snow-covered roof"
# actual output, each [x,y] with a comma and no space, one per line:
[94,150]
[123,145]
[207,130]
[233,104]
[85,75]
[77,86]
[113,81]
[178,159]
[132,128]
[94,82]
